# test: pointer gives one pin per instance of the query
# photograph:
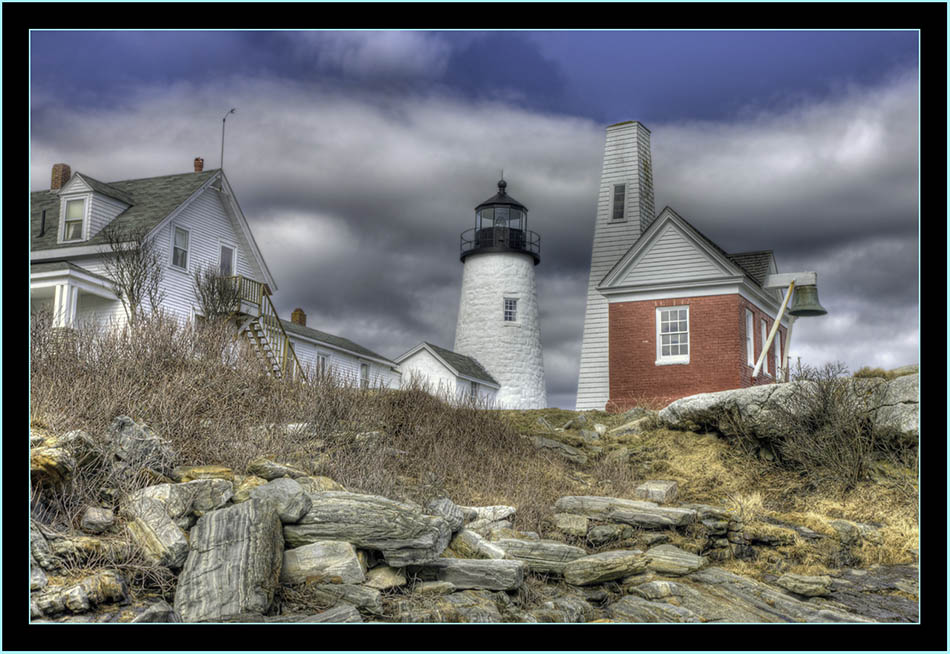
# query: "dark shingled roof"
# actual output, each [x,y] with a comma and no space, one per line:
[755,264]
[330,339]
[64,265]
[464,365]
[152,199]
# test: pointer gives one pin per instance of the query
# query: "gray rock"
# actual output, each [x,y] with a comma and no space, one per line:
[468,544]
[287,496]
[809,586]
[489,574]
[51,466]
[403,535]
[270,470]
[159,538]
[635,426]
[544,556]
[848,532]
[384,577]
[671,560]
[449,511]
[657,491]
[636,609]
[564,610]
[597,568]
[486,527]
[330,561]
[434,588]
[233,565]
[469,606]
[362,597]
[193,497]
[38,579]
[343,613]
[96,520]
[101,588]
[900,410]
[490,513]
[139,446]
[40,549]
[570,524]
[633,512]
[602,534]
[158,611]
[562,449]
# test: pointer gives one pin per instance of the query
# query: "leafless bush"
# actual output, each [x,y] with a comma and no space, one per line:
[134,269]
[825,427]
[217,294]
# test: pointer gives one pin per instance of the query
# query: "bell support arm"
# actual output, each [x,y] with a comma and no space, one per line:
[778,321]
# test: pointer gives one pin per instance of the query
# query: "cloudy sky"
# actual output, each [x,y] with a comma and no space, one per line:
[358,157]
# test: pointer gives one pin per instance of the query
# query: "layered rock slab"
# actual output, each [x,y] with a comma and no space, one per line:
[399,531]
[638,513]
[233,565]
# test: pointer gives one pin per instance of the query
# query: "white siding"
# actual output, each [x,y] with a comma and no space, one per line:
[98,310]
[208,224]
[343,366]
[627,161]
[441,381]
[670,257]
[103,211]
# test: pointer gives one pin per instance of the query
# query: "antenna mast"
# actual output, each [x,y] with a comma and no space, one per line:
[233,110]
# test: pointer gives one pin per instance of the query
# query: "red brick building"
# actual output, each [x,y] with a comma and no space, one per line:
[686,317]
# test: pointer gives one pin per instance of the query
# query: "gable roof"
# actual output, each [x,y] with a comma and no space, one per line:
[333,341]
[753,265]
[151,199]
[460,364]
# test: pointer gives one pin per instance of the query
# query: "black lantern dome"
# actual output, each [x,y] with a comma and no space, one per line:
[501,225]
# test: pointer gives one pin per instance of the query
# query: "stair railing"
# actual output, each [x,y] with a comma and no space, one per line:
[256,293]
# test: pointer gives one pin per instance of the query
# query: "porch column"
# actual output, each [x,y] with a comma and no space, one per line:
[65,299]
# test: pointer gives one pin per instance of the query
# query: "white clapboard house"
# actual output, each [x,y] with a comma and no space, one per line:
[194,221]
[456,377]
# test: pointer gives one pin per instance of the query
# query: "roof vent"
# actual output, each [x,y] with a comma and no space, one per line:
[61,175]
[199,164]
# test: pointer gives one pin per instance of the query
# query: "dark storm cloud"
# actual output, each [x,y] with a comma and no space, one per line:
[357,195]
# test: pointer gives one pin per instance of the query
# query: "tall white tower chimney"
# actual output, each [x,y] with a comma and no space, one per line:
[624,211]
[498,311]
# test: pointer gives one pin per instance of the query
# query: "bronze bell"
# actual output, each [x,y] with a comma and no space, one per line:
[805,302]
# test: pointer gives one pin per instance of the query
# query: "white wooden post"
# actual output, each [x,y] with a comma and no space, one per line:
[768,342]
[788,339]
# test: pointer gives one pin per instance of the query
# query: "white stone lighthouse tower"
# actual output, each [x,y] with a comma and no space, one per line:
[498,311]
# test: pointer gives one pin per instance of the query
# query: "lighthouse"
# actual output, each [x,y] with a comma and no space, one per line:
[498,310]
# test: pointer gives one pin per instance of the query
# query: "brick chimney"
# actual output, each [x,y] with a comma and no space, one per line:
[61,175]
[298,317]
[199,164]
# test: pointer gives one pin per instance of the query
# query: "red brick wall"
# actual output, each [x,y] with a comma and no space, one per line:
[717,359]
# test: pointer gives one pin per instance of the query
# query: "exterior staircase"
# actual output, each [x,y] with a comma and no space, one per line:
[259,323]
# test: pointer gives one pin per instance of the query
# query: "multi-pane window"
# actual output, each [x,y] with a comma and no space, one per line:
[473,391]
[227,260]
[511,309]
[322,364]
[749,339]
[75,209]
[619,195]
[672,334]
[180,248]
[364,375]
[765,359]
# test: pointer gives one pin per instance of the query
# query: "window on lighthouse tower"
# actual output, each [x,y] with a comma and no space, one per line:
[511,309]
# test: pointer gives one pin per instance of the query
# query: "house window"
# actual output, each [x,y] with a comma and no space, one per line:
[749,339]
[672,334]
[180,248]
[322,364]
[620,191]
[511,309]
[778,355]
[75,210]
[227,260]
[473,391]
[765,359]
[364,375]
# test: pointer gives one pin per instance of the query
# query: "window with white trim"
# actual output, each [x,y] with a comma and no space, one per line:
[322,361]
[364,375]
[672,334]
[511,309]
[473,391]
[749,339]
[180,245]
[620,192]
[778,355]
[765,334]
[75,214]
[227,260]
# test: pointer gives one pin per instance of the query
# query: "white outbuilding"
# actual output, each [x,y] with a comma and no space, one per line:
[445,373]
